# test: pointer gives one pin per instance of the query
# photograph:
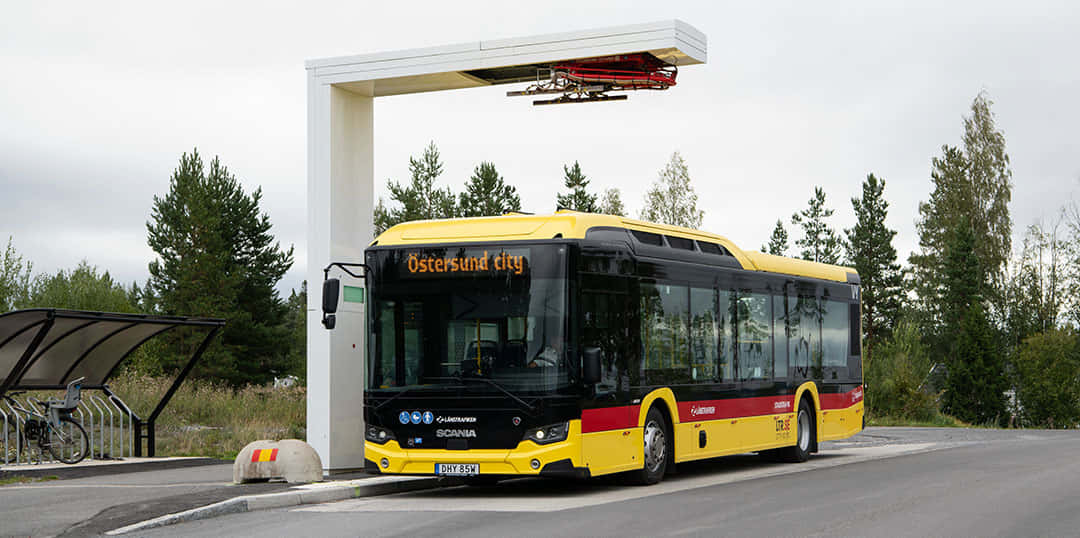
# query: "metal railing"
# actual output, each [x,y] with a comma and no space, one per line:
[109,423]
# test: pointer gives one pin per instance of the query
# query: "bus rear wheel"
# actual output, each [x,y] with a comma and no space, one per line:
[656,449]
[805,433]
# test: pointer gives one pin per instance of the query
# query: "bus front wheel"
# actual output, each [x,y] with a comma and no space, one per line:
[656,449]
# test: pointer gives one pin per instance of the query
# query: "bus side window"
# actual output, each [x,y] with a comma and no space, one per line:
[781,333]
[834,333]
[754,330]
[665,329]
[804,339]
[726,305]
[703,335]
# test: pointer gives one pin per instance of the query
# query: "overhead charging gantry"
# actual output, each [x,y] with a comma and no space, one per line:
[595,65]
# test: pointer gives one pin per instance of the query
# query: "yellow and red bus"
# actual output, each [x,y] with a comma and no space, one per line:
[581,345]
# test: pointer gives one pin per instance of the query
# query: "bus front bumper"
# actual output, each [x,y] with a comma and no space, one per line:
[527,459]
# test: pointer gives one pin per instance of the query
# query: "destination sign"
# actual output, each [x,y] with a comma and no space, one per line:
[467,262]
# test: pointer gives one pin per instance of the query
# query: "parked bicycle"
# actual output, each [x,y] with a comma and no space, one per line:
[53,431]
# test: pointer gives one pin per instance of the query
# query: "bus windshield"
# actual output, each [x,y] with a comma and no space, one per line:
[440,315]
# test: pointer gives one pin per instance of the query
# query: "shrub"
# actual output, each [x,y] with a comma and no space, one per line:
[1047,379]
[897,375]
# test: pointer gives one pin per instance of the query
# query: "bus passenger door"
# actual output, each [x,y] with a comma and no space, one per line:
[607,416]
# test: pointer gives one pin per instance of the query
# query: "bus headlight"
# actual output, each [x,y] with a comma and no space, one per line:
[378,435]
[548,434]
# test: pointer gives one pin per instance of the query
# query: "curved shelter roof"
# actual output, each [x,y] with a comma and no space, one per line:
[47,348]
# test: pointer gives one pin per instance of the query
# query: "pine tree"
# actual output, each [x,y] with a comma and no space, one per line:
[217,258]
[487,194]
[962,281]
[778,241]
[934,225]
[975,382]
[578,199]
[420,199]
[870,251]
[820,242]
[611,203]
[672,199]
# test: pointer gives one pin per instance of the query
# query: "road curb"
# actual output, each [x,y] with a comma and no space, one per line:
[312,494]
[95,468]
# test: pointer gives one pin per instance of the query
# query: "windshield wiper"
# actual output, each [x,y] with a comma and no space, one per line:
[530,408]
[392,398]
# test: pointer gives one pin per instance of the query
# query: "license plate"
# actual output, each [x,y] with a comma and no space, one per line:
[457,469]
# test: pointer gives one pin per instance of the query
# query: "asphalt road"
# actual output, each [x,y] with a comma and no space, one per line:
[884,482]
[86,503]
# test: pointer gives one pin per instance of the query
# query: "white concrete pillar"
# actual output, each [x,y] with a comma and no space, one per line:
[340,200]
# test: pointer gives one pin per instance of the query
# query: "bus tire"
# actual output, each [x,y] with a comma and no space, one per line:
[805,433]
[656,449]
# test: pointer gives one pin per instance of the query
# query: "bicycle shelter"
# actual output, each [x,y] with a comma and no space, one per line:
[44,349]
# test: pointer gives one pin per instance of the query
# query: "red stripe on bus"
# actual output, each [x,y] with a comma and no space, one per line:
[617,418]
[609,418]
[734,408]
[842,401]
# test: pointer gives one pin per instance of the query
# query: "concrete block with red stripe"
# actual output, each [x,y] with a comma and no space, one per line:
[291,460]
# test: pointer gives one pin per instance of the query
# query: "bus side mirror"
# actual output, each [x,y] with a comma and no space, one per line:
[591,365]
[331,290]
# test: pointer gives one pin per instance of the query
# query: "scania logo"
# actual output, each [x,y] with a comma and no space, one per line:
[517,421]
[455,420]
[782,404]
[455,433]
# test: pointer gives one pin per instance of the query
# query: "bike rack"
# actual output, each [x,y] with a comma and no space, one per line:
[13,418]
[100,426]
[108,436]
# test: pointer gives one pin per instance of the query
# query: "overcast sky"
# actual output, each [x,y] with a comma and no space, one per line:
[97,103]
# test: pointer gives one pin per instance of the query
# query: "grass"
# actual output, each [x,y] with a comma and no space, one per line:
[18,479]
[213,420]
[938,421]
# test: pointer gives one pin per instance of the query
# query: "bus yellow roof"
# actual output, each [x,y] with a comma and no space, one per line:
[574,225]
